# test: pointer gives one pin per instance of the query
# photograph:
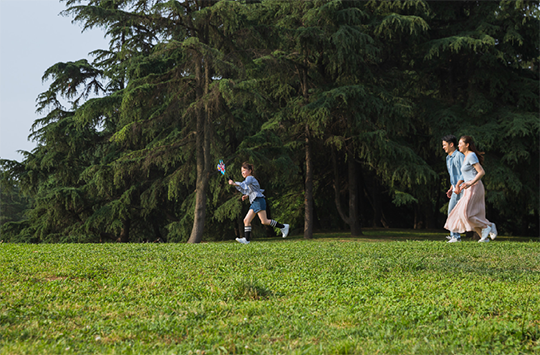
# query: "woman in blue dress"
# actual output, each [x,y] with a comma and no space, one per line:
[251,189]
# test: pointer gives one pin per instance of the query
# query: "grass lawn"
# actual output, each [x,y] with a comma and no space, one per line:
[331,295]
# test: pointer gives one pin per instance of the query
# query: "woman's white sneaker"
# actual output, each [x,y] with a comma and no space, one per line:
[242,240]
[485,234]
[493,233]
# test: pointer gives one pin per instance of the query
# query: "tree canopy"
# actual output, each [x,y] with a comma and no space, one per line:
[340,105]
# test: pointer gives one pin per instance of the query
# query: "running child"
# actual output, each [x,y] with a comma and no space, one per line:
[251,189]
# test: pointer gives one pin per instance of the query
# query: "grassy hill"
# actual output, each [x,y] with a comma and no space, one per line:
[331,295]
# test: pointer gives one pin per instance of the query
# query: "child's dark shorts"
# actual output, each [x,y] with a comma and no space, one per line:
[259,204]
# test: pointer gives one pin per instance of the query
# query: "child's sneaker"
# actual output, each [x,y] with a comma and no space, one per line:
[454,240]
[242,240]
[285,230]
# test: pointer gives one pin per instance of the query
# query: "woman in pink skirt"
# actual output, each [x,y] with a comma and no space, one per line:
[470,211]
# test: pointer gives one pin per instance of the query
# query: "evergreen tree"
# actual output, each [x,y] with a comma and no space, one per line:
[171,105]
[338,89]
[329,99]
[13,206]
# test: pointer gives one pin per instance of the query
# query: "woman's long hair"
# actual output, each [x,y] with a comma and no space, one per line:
[468,140]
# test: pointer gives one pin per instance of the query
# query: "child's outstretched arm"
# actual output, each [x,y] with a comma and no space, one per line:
[243,186]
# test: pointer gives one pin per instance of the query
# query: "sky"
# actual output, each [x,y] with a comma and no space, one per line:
[33,37]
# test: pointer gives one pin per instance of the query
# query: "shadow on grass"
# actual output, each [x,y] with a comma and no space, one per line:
[251,289]
[391,234]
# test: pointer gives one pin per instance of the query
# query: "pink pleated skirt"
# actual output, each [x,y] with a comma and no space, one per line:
[469,212]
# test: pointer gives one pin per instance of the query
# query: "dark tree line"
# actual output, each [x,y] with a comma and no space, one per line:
[340,105]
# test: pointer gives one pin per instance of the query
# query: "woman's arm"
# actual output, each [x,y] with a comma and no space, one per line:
[481,173]
[459,187]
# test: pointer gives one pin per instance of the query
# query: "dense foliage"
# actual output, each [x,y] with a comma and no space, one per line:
[341,106]
[13,205]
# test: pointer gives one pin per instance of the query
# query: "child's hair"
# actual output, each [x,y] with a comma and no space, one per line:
[468,140]
[450,139]
[248,166]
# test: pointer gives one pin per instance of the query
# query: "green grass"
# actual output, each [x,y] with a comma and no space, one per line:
[324,296]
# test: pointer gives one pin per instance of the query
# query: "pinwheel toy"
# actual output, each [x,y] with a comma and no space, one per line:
[221,169]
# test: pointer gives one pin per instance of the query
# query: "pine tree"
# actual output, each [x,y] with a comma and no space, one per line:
[353,95]
[13,206]
[172,102]
[340,88]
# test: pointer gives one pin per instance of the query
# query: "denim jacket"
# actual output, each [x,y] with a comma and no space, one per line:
[453,164]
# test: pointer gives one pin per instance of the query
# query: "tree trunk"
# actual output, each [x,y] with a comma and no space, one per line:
[354,215]
[200,212]
[200,194]
[337,198]
[157,232]
[434,218]
[203,163]
[353,219]
[124,233]
[308,188]
[377,210]
[371,195]
[308,197]
[417,218]
[537,220]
